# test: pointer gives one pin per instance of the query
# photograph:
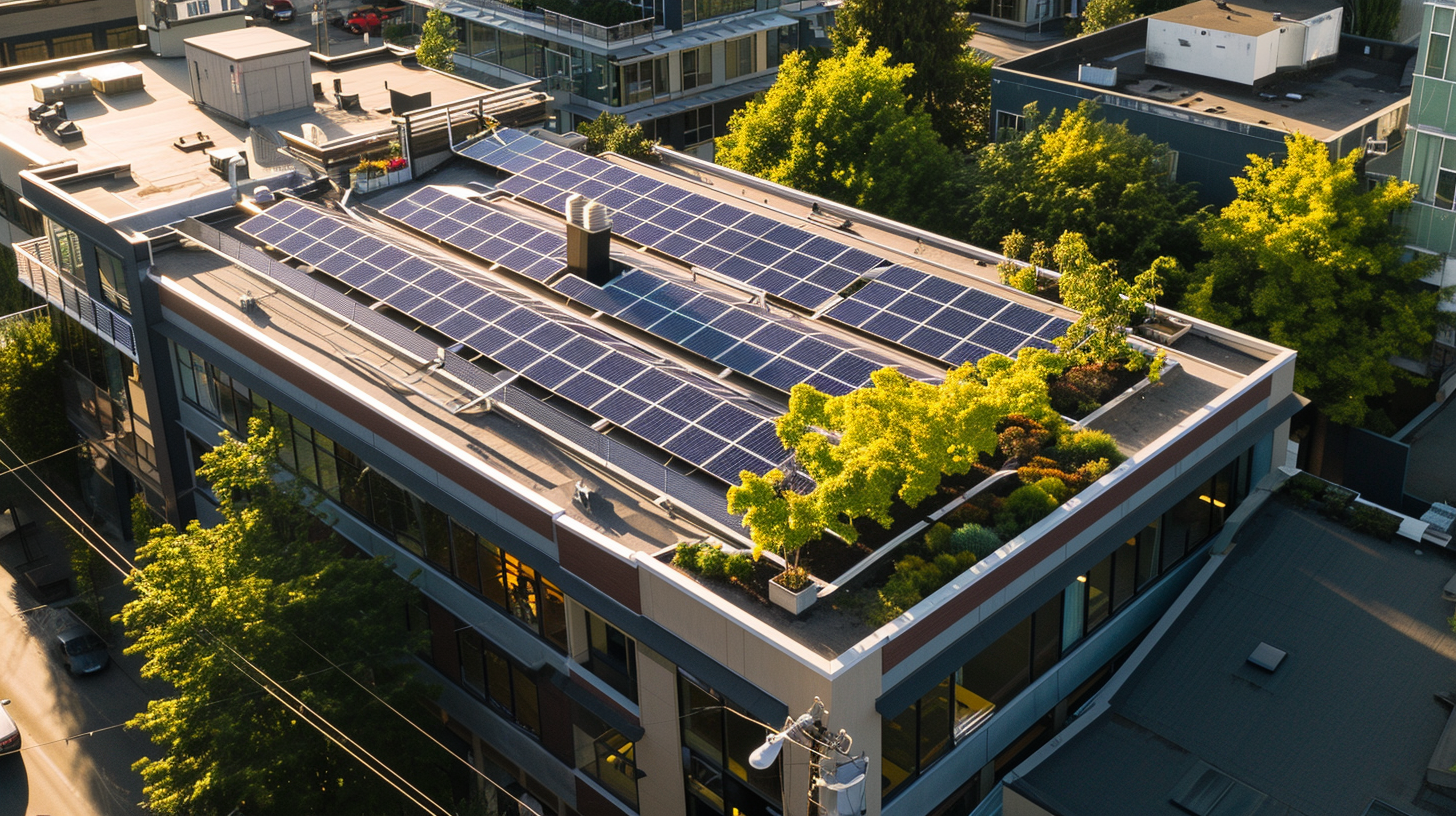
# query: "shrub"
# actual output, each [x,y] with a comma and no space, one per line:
[975,539]
[1087,446]
[1302,487]
[793,578]
[937,537]
[1374,521]
[1027,505]
[686,555]
[739,567]
[711,563]
[1336,501]
[1021,437]
[1081,389]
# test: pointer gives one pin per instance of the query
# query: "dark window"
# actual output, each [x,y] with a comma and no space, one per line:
[897,747]
[605,755]
[698,125]
[717,740]
[1099,593]
[611,655]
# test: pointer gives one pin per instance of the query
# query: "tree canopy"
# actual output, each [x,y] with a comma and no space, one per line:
[32,420]
[842,129]
[438,42]
[1308,258]
[258,590]
[610,133]
[895,439]
[1075,172]
[1100,14]
[952,82]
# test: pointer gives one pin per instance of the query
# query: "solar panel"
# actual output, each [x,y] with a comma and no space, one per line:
[659,402]
[775,349]
[486,233]
[943,319]
[807,270]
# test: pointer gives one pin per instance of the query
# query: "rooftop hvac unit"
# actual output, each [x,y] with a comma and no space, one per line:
[1103,76]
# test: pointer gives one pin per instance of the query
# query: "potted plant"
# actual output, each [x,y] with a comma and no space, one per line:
[373,174]
[793,589]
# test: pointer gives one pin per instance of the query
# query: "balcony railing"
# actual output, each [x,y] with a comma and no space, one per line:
[37,269]
[569,26]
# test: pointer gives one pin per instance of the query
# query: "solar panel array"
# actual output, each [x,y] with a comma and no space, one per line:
[694,417]
[777,351]
[791,263]
[944,319]
[486,233]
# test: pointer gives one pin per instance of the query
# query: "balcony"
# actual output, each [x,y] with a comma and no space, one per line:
[568,27]
[37,269]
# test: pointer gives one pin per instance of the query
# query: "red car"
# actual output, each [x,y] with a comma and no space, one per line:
[369,19]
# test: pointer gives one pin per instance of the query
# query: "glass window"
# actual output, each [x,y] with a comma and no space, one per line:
[697,67]
[436,535]
[21,53]
[897,750]
[492,584]
[121,37]
[611,655]
[498,670]
[1099,593]
[740,57]
[717,741]
[605,755]
[1147,549]
[990,679]
[520,583]
[698,125]
[71,45]
[1124,568]
[527,701]
[467,561]
[553,616]
[935,723]
[472,661]
[113,280]
[1436,55]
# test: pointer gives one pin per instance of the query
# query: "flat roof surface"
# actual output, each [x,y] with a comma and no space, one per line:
[1333,97]
[248,43]
[1349,716]
[1254,17]
[139,128]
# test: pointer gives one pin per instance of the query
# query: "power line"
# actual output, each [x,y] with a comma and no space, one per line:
[132,568]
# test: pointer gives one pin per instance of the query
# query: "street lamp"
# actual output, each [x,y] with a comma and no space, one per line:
[836,777]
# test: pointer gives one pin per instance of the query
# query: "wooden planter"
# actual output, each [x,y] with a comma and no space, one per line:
[369,182]
[794,602]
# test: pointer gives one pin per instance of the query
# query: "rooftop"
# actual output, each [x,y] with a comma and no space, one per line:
[566,354]
[248,43]
[138,128]
[1253,17]
[1331,97]
[1349,716]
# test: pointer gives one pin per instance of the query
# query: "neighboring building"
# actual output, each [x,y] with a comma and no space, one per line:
[680,71]
[1217,82]
[41,31]
[532,445]
[1426,155]
[1355,718]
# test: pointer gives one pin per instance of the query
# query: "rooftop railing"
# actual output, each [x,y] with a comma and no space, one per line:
[567,25]
[36,268]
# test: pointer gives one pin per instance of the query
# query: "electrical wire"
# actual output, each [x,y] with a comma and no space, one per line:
[131,567]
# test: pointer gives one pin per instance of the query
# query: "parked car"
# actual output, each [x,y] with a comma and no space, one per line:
[82,650]
[370,19]
[279,11]
[9,731]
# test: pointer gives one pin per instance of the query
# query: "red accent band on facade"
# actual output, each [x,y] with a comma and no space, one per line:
[600,568]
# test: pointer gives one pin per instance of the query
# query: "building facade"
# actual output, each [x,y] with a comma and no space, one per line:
[680,70]
[484,449]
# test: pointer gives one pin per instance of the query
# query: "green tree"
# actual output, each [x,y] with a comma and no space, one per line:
[841,130]
[894,439]
[952,82]
[1074,172]
[1101,14]
[1375,19]
[1107,304]
[32,417]
[1308,258]
[438,42]
[260,589]
[610,133]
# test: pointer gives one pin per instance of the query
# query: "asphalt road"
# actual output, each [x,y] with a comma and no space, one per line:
[73,761]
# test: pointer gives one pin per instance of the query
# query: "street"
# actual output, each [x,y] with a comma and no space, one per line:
[73,761]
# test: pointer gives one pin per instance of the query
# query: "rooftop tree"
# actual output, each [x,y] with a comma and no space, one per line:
[894,439]
[438,42]
[1309,258]
[843,129]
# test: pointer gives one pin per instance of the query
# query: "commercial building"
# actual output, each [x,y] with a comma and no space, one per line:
[1230,711]
[1218,82]
[530,414]
[680,70]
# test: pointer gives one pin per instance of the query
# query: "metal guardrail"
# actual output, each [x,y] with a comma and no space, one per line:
[36,268]
[570,26]
[686,491]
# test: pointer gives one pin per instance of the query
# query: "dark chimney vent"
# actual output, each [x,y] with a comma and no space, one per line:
[588,240]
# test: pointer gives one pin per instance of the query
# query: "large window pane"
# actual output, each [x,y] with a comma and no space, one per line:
[897,750]
[611,655]
[436,535]
[1046,628]
[520,581]
[1124,568]
[492,582]
[472,661]
[527,703]
[498,672]
[935,723]
[1099,593]
[1147,549]
[990,679]
[553,617]
[467,564]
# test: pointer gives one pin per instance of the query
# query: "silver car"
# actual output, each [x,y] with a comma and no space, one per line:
[82,650]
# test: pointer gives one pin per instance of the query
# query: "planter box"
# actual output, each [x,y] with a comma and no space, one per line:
[794,602]
[369,183]
[1166,330]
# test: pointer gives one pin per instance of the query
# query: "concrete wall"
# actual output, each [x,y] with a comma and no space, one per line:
[1215,54]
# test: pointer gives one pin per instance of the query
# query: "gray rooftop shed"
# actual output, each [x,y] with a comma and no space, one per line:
[249,73]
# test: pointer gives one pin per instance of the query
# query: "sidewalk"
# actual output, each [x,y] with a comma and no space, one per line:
[1004,42]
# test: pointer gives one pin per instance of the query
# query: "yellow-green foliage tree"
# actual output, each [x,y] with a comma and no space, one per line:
[1108,304]
[895,439]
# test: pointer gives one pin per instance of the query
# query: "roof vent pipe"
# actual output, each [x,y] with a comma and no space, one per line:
[588,240]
